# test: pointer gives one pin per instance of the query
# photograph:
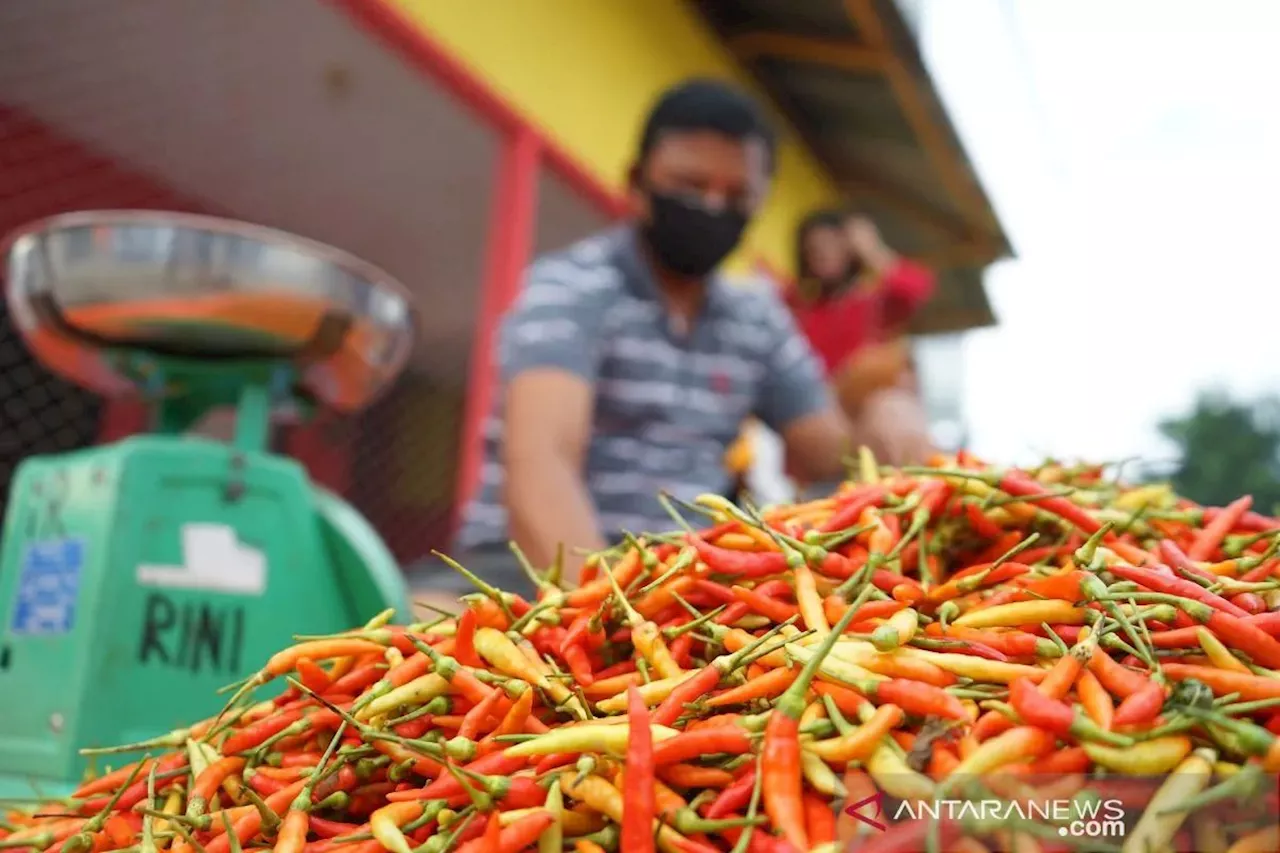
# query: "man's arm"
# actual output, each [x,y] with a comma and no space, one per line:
[548,428]
[548,353]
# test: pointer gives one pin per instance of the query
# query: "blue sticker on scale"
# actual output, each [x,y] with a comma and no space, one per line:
[48,588]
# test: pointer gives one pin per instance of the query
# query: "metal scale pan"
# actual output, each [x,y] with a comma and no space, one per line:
[84,286]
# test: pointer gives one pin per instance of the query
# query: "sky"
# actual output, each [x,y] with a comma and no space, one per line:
[1132,151]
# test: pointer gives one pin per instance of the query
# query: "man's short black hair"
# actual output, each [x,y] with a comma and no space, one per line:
[705,104]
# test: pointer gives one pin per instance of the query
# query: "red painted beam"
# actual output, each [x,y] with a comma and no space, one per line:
[511,234]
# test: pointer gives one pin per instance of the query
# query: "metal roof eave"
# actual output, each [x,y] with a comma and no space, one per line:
[849,78]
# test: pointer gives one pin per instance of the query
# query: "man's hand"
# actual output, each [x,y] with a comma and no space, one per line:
[874,367]
[895,420]
[864,237]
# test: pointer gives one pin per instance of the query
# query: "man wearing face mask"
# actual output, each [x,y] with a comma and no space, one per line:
[628,364]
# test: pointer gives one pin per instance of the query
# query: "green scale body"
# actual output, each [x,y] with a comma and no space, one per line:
[138,578]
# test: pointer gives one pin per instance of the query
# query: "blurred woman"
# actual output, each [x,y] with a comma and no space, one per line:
[854,298]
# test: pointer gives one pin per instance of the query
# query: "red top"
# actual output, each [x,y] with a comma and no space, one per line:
[838,327]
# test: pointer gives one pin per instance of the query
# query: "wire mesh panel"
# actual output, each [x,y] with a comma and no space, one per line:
[291,114]
[43,172]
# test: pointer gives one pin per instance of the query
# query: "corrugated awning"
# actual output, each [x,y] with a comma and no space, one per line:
[848,75]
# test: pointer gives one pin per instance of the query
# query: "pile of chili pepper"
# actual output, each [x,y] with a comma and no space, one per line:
[752,680]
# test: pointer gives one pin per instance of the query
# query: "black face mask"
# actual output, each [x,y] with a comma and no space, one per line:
[687,238]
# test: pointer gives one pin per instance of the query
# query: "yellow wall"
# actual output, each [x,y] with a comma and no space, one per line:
[586,72]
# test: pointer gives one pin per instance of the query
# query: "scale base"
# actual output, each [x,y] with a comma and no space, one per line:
[138,578]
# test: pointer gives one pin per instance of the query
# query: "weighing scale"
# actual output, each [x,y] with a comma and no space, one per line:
[138,577]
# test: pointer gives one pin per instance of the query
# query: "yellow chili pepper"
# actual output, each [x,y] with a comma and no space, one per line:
[820,776]
[588,737]
[814,712]
[1012,747]
[833,668]
[1219,654]
[1154,495]
[172,806]
[507,819]
[385,823]
[652,692]
[552,838]
[810,602]
[859,743]
[602,796]
[868,468]
[1148,758]
[419,691]
[894,776]
[905,622]
[646,636]
[498,649]
[197,759]
[1161,818]
[736,542]
[1051,610]
[979,669]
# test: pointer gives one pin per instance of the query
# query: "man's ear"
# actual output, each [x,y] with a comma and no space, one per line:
[637,201]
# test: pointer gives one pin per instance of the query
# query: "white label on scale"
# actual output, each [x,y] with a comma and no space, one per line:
[214,560]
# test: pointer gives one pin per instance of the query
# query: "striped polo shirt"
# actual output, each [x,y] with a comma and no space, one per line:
[668,401]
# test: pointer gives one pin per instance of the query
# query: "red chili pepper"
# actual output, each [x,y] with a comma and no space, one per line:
[820,820]
[1249,602]
[716,591]
[355,681]
[764,605]
[624,667]
[782,785]
[733,613]
[464,640]
[681,649]
[741,563]
[494,764]
[848,514]
[1172,585]
[326,828]
[1140,707]
[252,735]
[1018,484]
[265,785]
[1261,647]
[346,779]
[731,740]
[982,526]
[520,835]
[1011,643]
[1268,622]
[475,722]
[1210,537]
[1039,710]
[640,806]
[1119,680]
[738,795]
[776,588]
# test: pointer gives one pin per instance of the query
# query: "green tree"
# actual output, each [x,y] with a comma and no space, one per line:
[1227,448]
